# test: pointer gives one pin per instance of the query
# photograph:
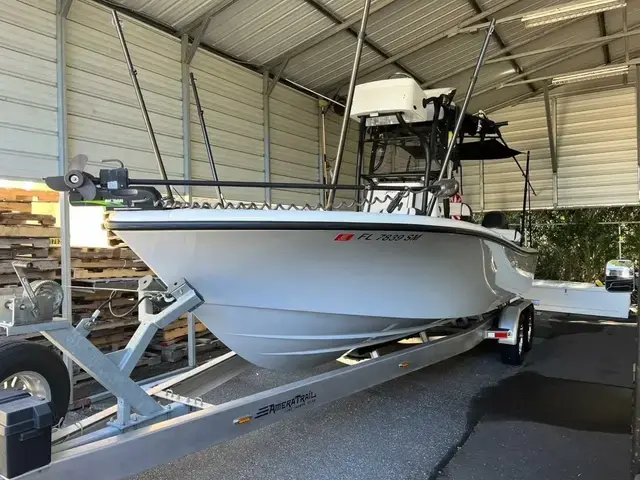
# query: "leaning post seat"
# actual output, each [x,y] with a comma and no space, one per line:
[495,219]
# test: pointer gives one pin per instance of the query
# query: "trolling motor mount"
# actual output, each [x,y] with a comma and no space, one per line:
[110,189]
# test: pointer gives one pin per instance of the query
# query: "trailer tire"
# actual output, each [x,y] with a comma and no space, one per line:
[38,362]
[529,329]
[514,354]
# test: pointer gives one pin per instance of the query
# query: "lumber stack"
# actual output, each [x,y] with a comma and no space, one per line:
[115,325]
[26,237]
[104,263]
[112,238]
[19,200]
[172,342]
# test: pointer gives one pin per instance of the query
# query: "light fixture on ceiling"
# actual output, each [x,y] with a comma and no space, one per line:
[592,74]
[567,11]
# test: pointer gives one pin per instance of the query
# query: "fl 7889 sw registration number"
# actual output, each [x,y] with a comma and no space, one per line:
[378,237]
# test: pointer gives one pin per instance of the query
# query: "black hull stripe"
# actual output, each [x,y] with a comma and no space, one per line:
[307,226]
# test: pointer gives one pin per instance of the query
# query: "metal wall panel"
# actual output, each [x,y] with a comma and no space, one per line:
[28,102]
[231,98]
[503,181]
[470,188]
[597,149]
[333,123]
[104,121]
[294,144]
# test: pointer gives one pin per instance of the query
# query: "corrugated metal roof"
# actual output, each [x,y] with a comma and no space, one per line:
[407,22]
[176,14]
[318,67]
[435,62]
[259,32]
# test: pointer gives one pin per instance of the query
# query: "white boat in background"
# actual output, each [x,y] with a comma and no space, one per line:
[579,298]
[295,289]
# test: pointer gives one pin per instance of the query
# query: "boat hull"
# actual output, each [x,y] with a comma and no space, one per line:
[292,299]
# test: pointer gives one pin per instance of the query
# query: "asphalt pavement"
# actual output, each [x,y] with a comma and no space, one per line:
[563,415]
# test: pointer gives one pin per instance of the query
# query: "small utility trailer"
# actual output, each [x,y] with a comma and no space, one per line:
[157,423]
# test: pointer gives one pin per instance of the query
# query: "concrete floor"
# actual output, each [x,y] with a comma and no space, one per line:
[563,415]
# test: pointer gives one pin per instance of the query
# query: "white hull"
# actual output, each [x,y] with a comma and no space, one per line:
[291,296]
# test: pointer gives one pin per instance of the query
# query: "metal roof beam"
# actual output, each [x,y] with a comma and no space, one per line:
[543,65]
[206,17]
[193,48]
[202,24]
[528,96]
[497,56]
[63,7]
[346,24]
[428,41]
[271,84]
[350,29]
[603,33]
[516,66]
[563,46]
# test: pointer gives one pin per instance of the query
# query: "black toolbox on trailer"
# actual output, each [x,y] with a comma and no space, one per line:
[25,433]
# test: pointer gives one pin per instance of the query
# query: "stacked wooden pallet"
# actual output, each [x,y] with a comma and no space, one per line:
[171,343]
[19,200]
[119,318]
[112,238]
[26,237]
[104,263]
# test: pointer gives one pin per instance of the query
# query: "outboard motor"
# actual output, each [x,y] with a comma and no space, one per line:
[620,276]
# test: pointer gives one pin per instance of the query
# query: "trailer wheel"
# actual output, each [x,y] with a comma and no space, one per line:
[514,354]
[529,329]
[33,367]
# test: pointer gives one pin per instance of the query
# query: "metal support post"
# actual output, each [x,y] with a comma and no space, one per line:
[143,108]
[347,111]
[191,339]
[635,443]
[186,117]
[463,111]
[638,124]
[635,433]
[267,134]
[65,223]
[321,153]
[524,201]
[550,110]
[482,186]
[360,158]
[552,142]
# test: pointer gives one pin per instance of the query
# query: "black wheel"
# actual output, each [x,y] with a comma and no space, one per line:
[35,368]
[514,354]
[529,329]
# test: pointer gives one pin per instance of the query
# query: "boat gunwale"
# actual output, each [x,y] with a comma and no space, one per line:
[305,225]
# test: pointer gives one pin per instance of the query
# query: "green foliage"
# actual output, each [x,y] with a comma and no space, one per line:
[575,245]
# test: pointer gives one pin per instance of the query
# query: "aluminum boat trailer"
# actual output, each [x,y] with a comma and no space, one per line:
[156,423]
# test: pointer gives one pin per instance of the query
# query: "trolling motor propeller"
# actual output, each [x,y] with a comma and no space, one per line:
[111,189]
[75,179]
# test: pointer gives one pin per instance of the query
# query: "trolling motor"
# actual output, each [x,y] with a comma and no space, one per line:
[110,189]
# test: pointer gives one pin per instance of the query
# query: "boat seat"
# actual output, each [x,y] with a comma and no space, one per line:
[495,219]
